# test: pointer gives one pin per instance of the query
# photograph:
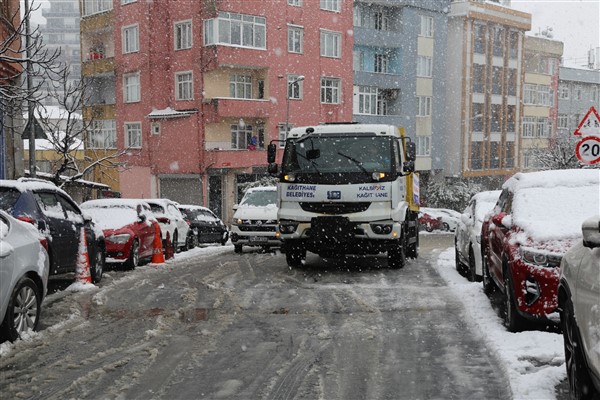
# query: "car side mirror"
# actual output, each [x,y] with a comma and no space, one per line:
[591,232]
[502,220]
[466,219]
[411,151]
[142,217]
[235,207]
[87,218]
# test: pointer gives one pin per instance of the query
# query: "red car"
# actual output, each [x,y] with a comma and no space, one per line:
[535,221]
[129,229]
[430,223]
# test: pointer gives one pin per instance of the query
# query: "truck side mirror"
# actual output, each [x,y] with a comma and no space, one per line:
[272,169]
[409,166]
[271,153]
[411,151]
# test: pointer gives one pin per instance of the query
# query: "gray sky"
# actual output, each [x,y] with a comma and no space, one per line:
[573,22]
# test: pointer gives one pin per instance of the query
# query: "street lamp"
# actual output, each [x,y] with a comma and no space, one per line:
[287,94]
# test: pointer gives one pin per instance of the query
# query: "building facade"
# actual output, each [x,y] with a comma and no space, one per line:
[578,90]
[484,89]
[398,62]
[540,97]
[196,90]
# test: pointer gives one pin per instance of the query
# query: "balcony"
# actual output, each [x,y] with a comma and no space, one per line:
[232,158]
[98,66]
[216,108]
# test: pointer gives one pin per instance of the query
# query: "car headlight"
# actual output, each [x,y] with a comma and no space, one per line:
[539,258]
[119,239]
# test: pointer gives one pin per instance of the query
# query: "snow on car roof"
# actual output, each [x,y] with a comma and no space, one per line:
[192,207]
[107,203]
[551,205]
[24,184]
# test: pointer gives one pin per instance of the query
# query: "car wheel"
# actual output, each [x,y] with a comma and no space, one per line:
[23,311]
[294,255]
[134,255]
[224,239]
[237,248]
[489,286]
[445,226]
[460,267]
[428,227]
[512,319]
[580,383]
[397,256]
[175,242]
[472,273]
[98,268]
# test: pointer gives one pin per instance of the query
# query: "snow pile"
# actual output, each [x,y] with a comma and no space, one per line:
[534,361]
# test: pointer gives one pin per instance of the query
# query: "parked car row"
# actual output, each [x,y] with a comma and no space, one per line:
[540,247]
[41,225]
[443,219]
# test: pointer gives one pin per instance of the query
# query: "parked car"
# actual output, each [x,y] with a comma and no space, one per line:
[448,218]
[428,222]
[170,220]
[255,219]
[129,229]
[467,236]
[24,268]
[206,225]
[536,220]
[579,305]
[52,211]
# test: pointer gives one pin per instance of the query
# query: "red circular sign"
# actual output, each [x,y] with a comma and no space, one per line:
[588,150]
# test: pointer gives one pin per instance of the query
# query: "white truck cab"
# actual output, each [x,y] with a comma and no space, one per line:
[347,189]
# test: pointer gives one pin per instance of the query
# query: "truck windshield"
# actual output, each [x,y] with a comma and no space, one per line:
[338,159]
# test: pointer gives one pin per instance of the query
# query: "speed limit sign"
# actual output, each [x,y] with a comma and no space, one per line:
[588,150]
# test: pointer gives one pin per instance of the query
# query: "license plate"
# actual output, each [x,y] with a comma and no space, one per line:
[258,239]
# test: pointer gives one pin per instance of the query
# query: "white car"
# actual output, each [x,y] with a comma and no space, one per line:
[449,218]
[255,219]
[467,237]
[24,269]
[171,220]
[579,305]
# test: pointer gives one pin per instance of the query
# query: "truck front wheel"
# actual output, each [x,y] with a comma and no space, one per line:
[294,254]
[397,256]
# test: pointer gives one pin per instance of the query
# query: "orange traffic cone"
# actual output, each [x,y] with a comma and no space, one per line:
[169,253]
[83,261]
[157,253]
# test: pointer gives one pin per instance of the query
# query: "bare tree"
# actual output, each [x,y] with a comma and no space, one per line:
[69,134]
[21,48]
[560,154]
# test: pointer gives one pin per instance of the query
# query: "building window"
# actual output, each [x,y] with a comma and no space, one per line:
[241,136]
[367,100]
[529,124]
[331,44]
[295,90]
[381,63]
[331,5]
[295,39]
[96,6]
[297,3]
[544,127]
[183,35]
[426,28]
[562,121]
[103,134]
[563,91]
[133,135]
[131,88]
[477,117]
[528,160]
[496,118]
[424,67]
[578,93]
[540,95]
[476,155]
[381,20]
[480,39]
[498,46]
[497,75]
[131,42]
[478,78]
[358,60]
[424,106]
[236,30]
[330,90]
[511,118]
[512,82]
[240,86]
[185,86]
[424,146]
[513,49]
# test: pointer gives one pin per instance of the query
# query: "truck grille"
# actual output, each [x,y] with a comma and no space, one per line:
[256,228]
[335,208]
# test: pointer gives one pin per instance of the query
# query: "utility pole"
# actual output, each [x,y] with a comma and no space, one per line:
[30,104]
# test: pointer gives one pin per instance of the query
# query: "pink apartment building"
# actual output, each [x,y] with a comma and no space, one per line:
[201,89]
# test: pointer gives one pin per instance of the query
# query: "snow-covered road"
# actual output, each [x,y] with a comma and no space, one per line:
[213,324]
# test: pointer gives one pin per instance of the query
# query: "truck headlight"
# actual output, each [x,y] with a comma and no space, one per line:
[288,227]
[382,229]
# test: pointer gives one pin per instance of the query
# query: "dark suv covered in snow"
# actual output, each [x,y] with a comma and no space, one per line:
[52,211]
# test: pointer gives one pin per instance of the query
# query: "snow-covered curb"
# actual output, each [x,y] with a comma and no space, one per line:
[534,361]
